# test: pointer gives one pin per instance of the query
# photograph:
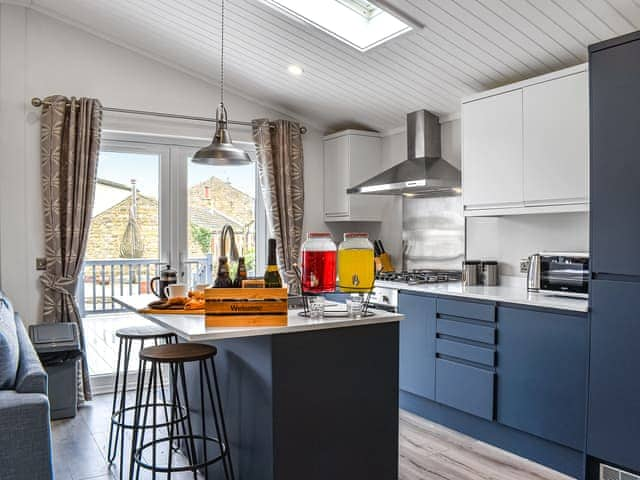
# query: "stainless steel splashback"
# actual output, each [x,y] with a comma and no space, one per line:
[433,233]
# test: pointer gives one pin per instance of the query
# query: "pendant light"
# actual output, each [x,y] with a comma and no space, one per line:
[221,150]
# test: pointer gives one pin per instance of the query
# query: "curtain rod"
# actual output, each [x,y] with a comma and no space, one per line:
[38,102]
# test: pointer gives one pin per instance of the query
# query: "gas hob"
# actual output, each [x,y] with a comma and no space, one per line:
[419,277]
[386,297]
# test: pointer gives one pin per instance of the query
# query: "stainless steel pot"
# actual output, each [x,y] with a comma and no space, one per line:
[489,273]
[470,272]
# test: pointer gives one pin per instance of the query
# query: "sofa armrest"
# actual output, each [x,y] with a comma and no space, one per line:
[31,377]
[25,440]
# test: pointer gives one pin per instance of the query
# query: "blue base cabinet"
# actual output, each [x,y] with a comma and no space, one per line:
[417,344]
[465,356]
[614,387]
[513,376]
[542,374]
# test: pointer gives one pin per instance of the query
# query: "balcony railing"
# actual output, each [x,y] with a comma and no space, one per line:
[102,279]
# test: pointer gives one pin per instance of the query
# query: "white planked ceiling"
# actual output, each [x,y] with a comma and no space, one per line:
[465,47]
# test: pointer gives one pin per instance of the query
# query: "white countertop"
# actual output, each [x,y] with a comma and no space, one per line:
[504,294]
[192,327]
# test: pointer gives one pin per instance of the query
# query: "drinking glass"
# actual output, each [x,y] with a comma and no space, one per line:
[316,307]
[355,305]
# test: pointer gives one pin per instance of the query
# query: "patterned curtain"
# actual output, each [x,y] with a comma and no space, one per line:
[281,168]
[69,146]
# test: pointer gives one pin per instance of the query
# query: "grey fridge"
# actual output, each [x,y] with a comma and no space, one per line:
[613,423]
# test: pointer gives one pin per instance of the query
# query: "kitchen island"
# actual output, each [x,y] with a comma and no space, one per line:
[315,399]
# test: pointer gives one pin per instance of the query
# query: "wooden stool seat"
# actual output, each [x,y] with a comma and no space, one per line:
[143,332]
[178,353]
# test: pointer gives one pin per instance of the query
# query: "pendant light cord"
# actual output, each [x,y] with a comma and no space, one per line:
[222,57]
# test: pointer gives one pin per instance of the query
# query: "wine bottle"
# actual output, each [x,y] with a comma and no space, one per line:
[272,277]
[223,280]
[241,274]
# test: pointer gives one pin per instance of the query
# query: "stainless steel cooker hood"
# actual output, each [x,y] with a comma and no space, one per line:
[424,173]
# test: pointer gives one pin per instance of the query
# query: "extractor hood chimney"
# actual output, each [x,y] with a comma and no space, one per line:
[425,172]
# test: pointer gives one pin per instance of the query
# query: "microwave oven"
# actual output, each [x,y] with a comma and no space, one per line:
[559,273]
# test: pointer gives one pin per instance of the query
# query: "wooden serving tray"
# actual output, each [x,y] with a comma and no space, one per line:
[246,307]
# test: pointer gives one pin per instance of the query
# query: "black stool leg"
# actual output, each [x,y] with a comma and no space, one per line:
[123,401]
[191,454]
[136,420]
[162,394]
[154,382]
[189,425]
[111,452]
[203,420]
[142,426]
[175,406]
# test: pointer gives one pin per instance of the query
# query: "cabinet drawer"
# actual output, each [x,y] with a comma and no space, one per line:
[473,353]
[476,311]
[464,387]
[469,331]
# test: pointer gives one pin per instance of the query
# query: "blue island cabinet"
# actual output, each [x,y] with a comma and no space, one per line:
[417,344]
[542,373]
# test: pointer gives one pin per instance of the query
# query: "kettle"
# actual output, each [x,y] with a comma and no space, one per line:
[168,276]
[533,273]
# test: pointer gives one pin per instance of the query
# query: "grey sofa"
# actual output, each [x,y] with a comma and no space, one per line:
[25,431]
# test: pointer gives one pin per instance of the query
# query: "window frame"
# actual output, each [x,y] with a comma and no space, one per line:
[173,191]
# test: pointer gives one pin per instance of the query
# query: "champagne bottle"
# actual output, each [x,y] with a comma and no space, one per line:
[242,273]
[272,275]
[223,280]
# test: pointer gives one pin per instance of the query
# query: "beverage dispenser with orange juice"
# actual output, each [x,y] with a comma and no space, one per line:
[356,268]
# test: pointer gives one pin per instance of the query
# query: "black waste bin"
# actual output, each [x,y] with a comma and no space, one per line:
[58,346]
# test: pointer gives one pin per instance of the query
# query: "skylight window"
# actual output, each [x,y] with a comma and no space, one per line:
[358,23]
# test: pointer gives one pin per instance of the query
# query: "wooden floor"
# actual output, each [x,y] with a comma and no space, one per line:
[101,341]
[427,451]
[431,451]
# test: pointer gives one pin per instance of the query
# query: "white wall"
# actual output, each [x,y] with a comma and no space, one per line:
[40,56]
[508,239]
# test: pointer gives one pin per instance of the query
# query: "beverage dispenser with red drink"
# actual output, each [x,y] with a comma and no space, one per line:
[318,263]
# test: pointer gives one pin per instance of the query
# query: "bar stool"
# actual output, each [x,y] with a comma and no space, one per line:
[175,356]
[119,408]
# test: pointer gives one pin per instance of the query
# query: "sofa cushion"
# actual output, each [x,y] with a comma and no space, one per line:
[9,348]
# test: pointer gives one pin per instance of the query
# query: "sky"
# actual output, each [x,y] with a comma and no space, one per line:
[144,168]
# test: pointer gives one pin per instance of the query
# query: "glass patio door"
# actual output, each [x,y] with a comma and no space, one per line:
[128,241]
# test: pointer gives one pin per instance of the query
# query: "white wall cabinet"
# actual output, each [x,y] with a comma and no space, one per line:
[556,141]
[492,151]
[351,157]
[525,146]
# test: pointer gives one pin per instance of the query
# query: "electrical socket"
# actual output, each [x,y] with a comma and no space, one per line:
[41,263]
[524,265]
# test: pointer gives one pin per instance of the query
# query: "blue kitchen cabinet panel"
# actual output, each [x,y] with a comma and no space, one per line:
[615,170]
[466,330]
[465,387]
[482,311]
[417,344]
[614,386]
[481,354]
[542,373]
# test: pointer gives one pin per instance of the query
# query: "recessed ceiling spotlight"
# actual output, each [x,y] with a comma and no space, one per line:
[296,70]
